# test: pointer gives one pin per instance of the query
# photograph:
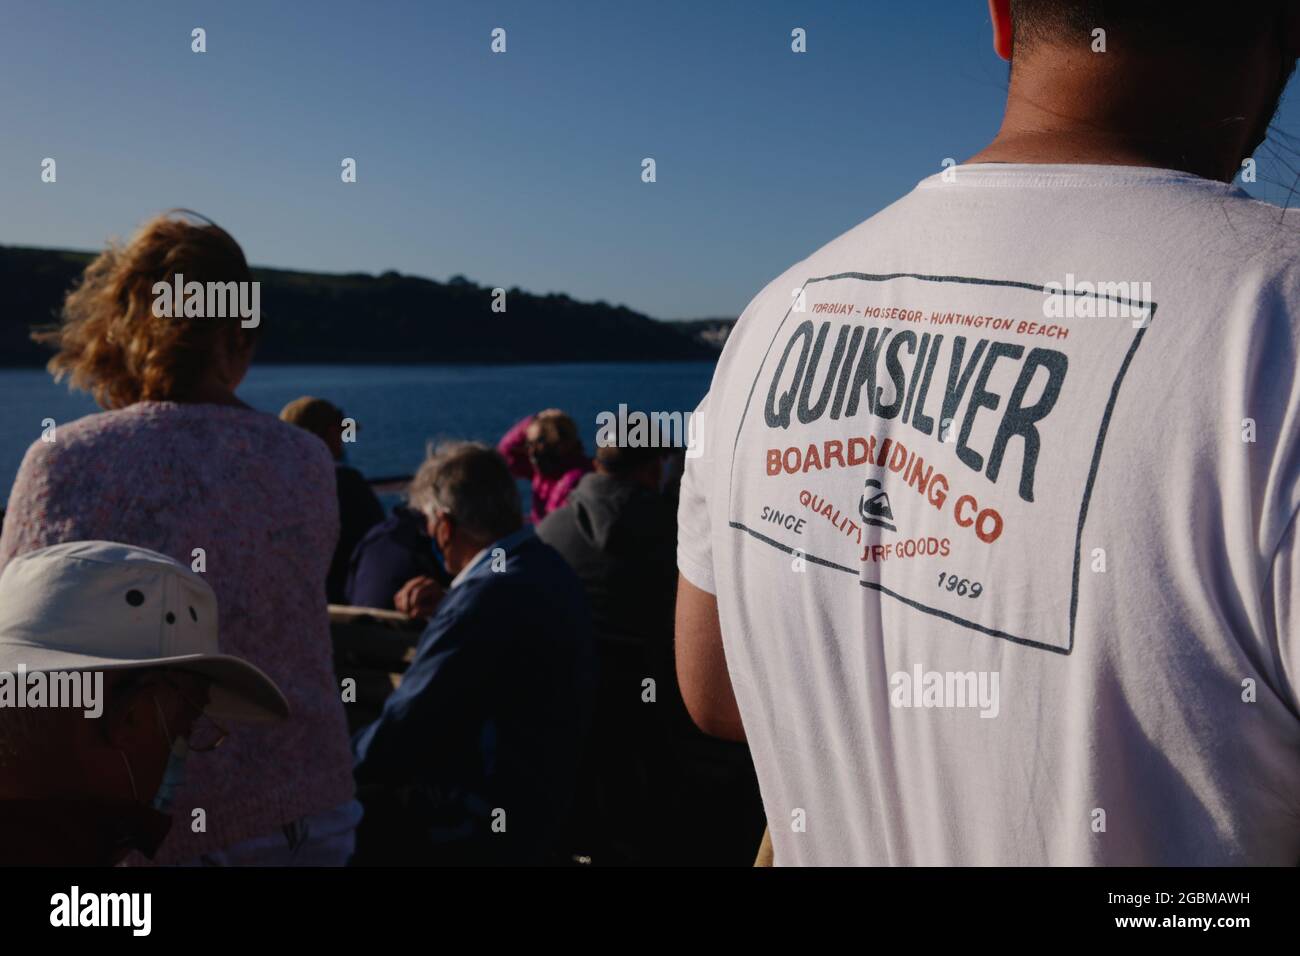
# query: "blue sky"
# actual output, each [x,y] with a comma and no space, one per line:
[520,168]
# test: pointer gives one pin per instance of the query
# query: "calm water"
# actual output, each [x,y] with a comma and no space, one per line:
[398,408]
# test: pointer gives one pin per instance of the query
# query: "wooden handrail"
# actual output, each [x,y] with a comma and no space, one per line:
[350,614]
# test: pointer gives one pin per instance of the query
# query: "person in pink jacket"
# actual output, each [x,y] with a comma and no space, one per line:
[545,448]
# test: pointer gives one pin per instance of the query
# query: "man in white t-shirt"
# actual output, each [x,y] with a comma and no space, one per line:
[991,552]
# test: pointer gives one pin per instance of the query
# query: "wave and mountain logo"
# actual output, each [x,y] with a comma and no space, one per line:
[874,507]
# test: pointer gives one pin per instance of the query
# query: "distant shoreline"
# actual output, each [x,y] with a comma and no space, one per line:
[387,319]
[413,363]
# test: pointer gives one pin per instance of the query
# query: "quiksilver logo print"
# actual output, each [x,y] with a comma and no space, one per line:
[941,441]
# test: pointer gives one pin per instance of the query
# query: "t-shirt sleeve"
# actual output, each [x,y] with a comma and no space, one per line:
[1285,593]
[694,523]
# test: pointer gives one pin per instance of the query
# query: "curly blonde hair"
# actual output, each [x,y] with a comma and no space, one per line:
[112,345]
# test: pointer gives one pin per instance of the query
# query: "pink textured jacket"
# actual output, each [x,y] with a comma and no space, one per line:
[258,497]
[549,492]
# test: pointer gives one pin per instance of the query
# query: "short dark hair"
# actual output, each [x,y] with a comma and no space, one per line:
[1154,23]
[620,460]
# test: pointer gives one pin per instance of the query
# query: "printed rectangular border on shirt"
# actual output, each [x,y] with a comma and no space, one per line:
[1088,484]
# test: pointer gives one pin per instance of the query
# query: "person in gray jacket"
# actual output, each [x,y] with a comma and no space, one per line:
[655,789]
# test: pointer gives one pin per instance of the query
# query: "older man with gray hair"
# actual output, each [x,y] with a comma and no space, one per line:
[475,756]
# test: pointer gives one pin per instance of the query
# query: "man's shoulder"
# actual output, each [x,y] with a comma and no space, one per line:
[531,585]
[534,562]
[531,572]
[557,522]
[515,567]
[788,290]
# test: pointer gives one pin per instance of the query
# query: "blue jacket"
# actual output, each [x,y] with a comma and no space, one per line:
[391,553]
[488,726]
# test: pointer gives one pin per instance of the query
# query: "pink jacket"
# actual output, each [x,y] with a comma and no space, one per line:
[549,492]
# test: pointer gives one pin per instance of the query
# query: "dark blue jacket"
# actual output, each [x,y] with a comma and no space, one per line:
[359,511]
[492,714]
[391,553]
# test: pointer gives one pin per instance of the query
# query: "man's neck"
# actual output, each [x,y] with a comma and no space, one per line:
[461,555]
[1072,106]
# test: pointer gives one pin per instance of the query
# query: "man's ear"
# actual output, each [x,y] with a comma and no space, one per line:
[444,532]
[1000,16]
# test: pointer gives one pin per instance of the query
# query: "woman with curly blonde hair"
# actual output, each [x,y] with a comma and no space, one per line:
[114,344]
[179,464]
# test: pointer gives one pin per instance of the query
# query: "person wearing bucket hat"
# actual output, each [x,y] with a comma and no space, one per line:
[87,777]
[177,462]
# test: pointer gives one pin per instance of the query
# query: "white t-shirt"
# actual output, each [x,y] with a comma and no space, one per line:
[997,495]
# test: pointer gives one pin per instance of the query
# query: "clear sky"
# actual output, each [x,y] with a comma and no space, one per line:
[522,168]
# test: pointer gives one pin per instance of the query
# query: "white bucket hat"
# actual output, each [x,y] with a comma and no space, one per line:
[99,605]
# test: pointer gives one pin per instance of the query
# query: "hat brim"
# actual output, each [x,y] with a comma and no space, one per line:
[239,691]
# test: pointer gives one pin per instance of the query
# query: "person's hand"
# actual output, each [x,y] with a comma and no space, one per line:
[418,597]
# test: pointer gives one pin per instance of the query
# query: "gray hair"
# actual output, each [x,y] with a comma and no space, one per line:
[472,483]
